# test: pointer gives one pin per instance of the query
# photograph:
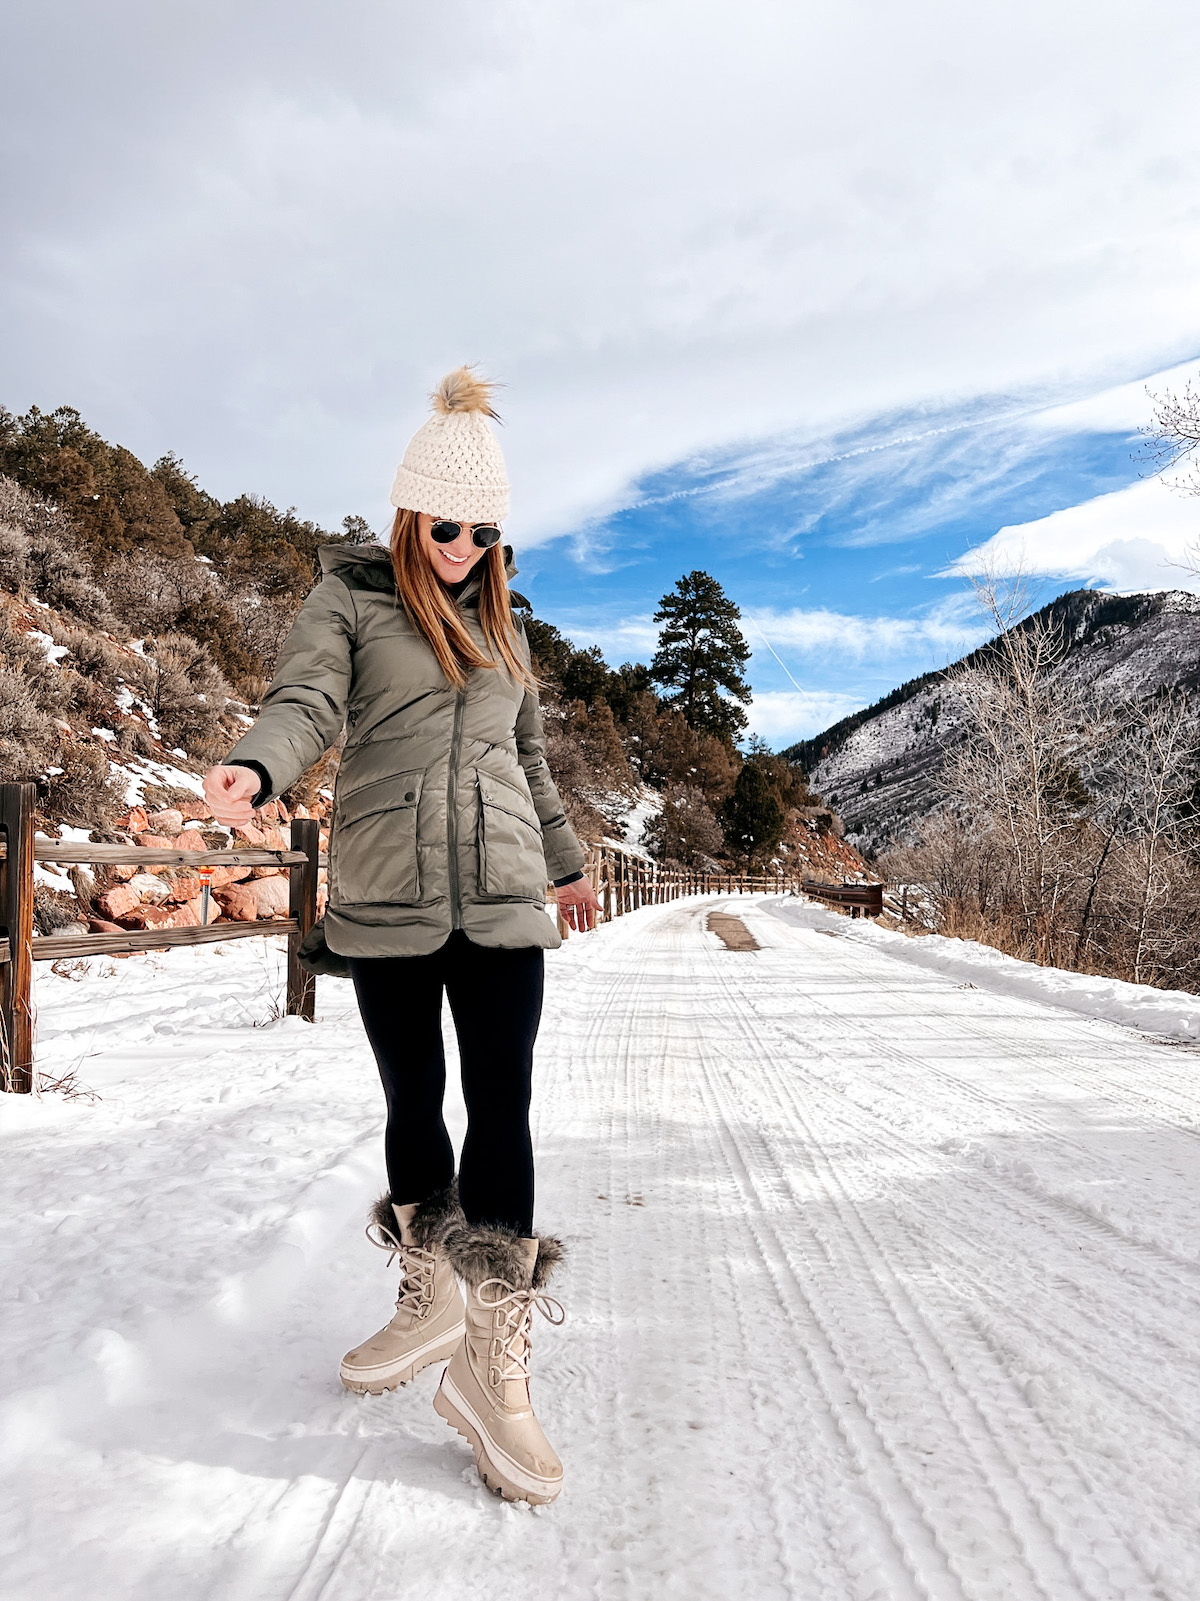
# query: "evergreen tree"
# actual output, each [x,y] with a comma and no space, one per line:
[753,815]
[701,652]
[358,530]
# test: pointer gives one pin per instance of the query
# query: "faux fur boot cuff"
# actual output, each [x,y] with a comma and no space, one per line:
[430,1221]
[479,1253]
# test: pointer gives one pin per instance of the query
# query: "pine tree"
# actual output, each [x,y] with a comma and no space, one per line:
[754,816]
[701,652]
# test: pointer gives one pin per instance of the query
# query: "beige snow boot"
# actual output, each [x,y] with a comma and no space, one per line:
[484,1393]
[428,1325]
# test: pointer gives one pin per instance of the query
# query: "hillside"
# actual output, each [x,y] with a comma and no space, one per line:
[880,767]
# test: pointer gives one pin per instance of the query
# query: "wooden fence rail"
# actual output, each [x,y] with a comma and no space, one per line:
[19,850]
[623,880]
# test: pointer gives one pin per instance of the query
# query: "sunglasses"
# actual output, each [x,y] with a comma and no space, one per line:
[485,535]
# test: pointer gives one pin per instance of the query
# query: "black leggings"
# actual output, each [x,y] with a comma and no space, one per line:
[496,1002]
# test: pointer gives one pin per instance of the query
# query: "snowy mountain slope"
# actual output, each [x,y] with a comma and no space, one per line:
[879,767]
[880,1288]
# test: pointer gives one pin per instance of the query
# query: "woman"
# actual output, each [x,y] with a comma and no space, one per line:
[446,824]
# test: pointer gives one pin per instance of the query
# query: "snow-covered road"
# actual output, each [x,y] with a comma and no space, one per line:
[882,1286]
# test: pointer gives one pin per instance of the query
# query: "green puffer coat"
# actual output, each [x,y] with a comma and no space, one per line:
[445,815]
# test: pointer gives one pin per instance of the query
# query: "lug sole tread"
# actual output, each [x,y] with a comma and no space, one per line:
[492,1480]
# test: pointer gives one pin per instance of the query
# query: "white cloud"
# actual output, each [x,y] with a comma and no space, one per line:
[257,234]
[780,717]
[941,635]
[1123,408]
[1133,539]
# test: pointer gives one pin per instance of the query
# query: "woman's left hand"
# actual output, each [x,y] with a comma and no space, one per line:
[577,904]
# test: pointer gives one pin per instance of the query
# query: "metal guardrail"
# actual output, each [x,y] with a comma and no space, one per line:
[862,900]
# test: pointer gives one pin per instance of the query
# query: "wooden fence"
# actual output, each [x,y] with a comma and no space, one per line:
[624,882]
[19,950]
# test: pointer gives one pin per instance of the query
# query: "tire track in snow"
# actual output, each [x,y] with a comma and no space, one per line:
[1012,1534]
[618,1073]
[1146,1560]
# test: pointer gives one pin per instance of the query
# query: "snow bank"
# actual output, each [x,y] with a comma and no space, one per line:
[1174,1014]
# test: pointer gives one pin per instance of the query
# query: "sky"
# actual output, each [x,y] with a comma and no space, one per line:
[825,300]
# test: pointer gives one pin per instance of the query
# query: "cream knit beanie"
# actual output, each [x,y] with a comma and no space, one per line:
[453,467]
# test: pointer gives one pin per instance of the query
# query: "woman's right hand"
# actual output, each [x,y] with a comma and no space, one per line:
[230,793]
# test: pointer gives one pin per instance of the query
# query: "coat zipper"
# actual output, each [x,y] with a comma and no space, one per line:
[460,701]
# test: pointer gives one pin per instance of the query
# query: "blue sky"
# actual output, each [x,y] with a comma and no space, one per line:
[845,554]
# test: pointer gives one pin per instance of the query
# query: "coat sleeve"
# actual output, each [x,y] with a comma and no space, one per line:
[564,853]
[304,710]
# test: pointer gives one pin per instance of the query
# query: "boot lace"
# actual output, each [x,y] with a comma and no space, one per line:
[512,1318]
[416,1270]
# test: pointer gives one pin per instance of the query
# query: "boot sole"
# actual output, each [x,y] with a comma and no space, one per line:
[510,1480]
[387,1375]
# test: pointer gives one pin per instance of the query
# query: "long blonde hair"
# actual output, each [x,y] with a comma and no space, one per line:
[436,617]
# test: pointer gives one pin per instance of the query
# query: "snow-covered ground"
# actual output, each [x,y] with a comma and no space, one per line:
[884,1285]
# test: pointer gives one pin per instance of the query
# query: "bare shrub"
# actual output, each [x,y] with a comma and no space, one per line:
[686,829]
[153,593]
[187,694]
[84,791]
[262,622]
[93,656]
[54,909]
[14,548]
[26,733]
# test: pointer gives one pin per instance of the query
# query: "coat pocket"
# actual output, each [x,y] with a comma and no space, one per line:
[512,863]
[374,856]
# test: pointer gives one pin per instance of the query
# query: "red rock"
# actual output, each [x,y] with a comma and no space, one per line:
[99,925]
[195,810]
[134,820]
[186,916]
[118,900]
[191,840]
[146,917]
[167,822]
[265,872]
[284,816]
[237,903]
[186,888]
[269,813]
[248,832]
[229,875]
[270,895]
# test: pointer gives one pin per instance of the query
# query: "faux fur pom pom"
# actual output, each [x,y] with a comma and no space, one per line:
[464,390]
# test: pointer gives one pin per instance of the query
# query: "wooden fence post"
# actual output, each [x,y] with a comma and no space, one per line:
[302,905]
[16,929]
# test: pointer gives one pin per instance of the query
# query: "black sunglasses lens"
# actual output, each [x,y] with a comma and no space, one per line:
[486,535]
[444,533]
